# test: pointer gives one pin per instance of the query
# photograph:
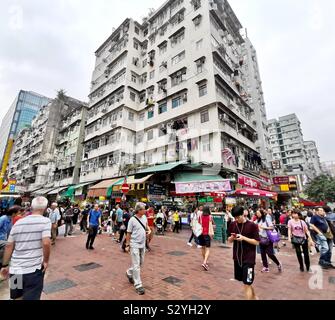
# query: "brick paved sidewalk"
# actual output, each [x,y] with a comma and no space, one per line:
[172,270]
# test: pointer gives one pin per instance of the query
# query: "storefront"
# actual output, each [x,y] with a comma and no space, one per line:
[101,191]
[249,197]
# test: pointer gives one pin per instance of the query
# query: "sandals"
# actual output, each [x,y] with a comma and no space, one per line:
[205,266]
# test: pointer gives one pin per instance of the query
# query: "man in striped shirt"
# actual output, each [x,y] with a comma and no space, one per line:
[27,253]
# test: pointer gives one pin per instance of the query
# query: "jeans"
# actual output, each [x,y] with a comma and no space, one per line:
[268,250]
[305,250]
[176,227]
[93,230]
[137,259]
[68,225]
[326,247]
[83,225]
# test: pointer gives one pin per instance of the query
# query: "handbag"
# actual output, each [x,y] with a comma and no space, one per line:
[298,240]
[197,229]
[264,241]
[273,235]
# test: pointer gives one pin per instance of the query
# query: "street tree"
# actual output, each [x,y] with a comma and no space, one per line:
[322,188]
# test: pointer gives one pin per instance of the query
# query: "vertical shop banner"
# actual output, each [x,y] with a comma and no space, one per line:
[197,187]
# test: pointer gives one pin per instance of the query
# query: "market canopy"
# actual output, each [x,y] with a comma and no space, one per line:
[72,189]
[162,167]
[101,188]
[56,191]
[308,203]
[255,193]
[42,191]
[187,177]
[132,180]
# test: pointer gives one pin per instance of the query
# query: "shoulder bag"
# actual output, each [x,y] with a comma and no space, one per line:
[273,235]
[298,240]
[197,229]
[211,231]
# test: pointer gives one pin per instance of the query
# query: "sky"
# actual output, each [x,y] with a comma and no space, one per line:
[47,45]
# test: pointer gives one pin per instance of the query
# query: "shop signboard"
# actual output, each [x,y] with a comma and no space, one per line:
[116,195]
[197,187]
[281,180]
[284,188]
[293,183]
[248,182]
[156,189]
[230,201]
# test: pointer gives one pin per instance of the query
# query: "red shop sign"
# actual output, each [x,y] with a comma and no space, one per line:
[248,182]
[281,180]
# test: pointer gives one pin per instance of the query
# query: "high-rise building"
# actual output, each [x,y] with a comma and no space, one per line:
[328,167]
[48,154]
[19,116]
[313,159]
[291,155]
[180,86]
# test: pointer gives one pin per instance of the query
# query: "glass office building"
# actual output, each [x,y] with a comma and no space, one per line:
[20,115]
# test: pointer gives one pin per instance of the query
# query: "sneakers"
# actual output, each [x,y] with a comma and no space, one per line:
[190,244]
[130,278]
[140,291]
[199,247]
[280,267]
[265,270]
[91,248]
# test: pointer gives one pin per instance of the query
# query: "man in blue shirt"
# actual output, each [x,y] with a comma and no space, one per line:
[94,222]
[5,225]
[324,238]
[119,217]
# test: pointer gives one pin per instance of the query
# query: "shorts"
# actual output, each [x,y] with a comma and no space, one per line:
[245,274]
[27,286]
[204,241]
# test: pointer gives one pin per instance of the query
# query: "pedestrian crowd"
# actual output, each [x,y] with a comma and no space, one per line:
[28,232]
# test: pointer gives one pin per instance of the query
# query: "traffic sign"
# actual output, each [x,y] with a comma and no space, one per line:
[125,188]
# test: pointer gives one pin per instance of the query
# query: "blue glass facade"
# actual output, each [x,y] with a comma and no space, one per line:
[20,115]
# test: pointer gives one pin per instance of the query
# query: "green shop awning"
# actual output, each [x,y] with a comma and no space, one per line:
[72,189]
[188,177]
[162,167]
[119,182]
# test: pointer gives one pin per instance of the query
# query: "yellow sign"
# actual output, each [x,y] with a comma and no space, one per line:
[102,198]
[5,161]
[284,187]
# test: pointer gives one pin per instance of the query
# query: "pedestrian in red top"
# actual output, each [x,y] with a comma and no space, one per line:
[204,239]
[18,213]
[150,213]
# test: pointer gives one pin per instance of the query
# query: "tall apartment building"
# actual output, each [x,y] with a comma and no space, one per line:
[296,156]
[328,167]
[49,152]
[177,87]
[313,158]
[20,114]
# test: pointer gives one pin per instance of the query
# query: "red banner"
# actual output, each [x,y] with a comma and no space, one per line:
[248,182]
[281,180]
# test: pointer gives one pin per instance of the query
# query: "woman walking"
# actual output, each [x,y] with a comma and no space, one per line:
[206,220]
[264,222]
[176,219]
[299,236]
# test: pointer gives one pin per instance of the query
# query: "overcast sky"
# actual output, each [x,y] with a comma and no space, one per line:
[47,45]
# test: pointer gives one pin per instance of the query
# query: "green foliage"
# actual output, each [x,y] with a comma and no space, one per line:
[322,188]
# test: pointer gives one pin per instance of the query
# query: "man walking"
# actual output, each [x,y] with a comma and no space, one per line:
[245,236]
[119,219]
[68,217]
[27,253]
[323,237]
[54,216]
[137,232]
[94,222]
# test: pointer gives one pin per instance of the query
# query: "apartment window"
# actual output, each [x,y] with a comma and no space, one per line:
[162,131]
[152,74]
[176,102]
[141,116]
[133,77]
[200,64]
[145,32]
[204,116]
[150,135]
[162,108]
[198,44]
[178,58]
[202,89]
[206,144]
[136,45]
[137,30]
[132,96]
[196,4]
[131,116]
[178,77]
[142,97]
[139,137]
[162,48]
[150,114]
[144,63]
[197,21]
[178,38]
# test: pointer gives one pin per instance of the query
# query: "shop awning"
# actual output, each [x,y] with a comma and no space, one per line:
[188,177]
[42,191]
[162,167]
[100,189]
[72,189]
[56,191]
[255,193]
[132,180]
[311,204]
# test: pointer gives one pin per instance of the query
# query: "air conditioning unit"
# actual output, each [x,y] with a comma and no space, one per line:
[244,126]
[183,77]
[184,96]
[161,32]
[223,117]
[143,53]
[164,64]
[197,21]
[113,125]
[104,110]
[104,60]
